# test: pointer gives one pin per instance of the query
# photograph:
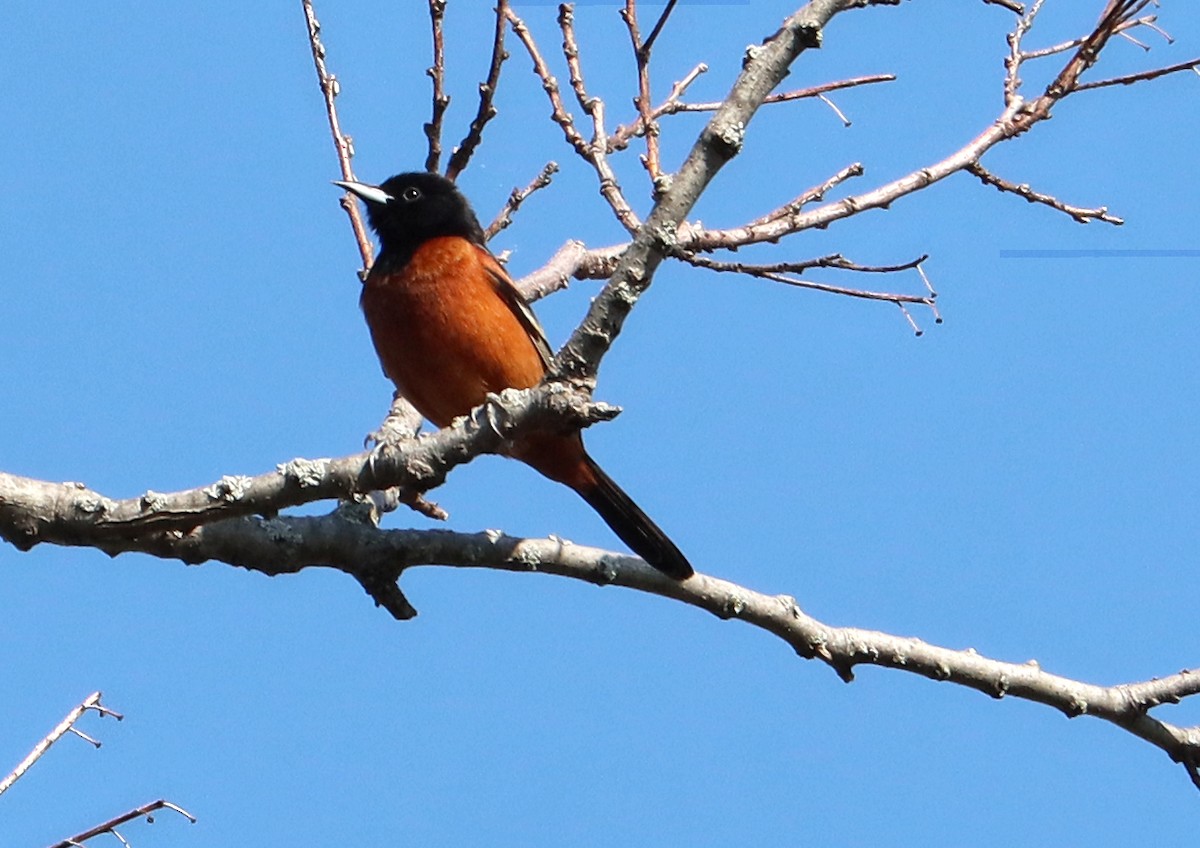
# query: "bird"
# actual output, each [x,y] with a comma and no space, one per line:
[450,327]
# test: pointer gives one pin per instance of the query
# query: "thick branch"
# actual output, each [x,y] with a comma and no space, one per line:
[34,511]
[372,556]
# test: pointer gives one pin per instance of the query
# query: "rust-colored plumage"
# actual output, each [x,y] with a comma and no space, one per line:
[449,327]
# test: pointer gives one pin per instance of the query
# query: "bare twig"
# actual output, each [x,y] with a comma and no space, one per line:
[1130,79]
[1018,117]
[1012,62]
[91,702]
[487,93]
[1071,44]
[504,216]
[786,96]
[1080,214]
[1150,22]
[812,195]
[833,261]
[722,139]
[1088,53]
[558,111]
[641,55]
[609,187]
[437,73]
[342,143]
[594,153]
[841,115]
[779,272]
[570,48]
[110,826]
[620,137]
[648,45]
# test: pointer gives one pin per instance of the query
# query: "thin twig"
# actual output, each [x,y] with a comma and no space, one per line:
[641,55]
[594,152]
[558,111]
[1130,79]
[765,272]
[609,187]
[812,195]
[570,49]
[110,826]
[1012,62]
[91,702]
[620,137]
[1071,44]
[658,27]
[504,216]
[841,115]
[1150,22]
[786,96]
[1080,214]
[487,93]
[833,261]
[437,73]
[1018,117]
[342,143]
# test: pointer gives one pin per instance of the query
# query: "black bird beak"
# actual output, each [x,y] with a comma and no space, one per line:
[368,193]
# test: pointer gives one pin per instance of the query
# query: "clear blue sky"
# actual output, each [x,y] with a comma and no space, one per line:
[180,303]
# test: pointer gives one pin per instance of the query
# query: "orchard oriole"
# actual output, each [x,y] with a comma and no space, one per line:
[450,326]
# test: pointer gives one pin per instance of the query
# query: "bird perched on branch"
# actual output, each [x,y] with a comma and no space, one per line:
[450,327]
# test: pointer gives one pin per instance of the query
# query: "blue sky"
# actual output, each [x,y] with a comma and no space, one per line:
[181,304]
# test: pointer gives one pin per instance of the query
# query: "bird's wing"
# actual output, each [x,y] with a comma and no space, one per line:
[507,290]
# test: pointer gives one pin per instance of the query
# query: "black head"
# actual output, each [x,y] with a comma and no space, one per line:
[408,209]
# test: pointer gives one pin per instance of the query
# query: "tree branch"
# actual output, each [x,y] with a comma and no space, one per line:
[787,96]
[289,544]
[518,196]
[1080,214]
[343,144]
[720,141]
[34,511]
[437,73]
[110,826]
[1130,79]
[91,702]
[595,152]
[487,93]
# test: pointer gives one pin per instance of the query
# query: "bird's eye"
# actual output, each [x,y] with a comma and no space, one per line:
[411,193]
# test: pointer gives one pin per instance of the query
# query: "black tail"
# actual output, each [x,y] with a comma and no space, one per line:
[634,527]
